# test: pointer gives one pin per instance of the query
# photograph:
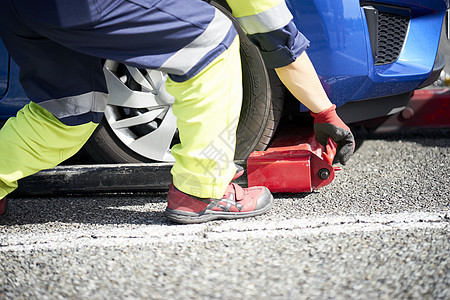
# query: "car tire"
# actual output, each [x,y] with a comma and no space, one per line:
[260,113]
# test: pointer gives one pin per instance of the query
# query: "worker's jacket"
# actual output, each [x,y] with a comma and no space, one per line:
[269,25]
[58,43]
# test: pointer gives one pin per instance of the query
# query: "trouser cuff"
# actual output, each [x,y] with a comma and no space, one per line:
[202,186]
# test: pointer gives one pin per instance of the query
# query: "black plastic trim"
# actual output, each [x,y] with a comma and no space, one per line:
[352,112]
[439,65]
[102,179]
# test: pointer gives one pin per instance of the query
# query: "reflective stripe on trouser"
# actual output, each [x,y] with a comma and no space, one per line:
[35,140]
[58,51]
[58,44]
[207,108]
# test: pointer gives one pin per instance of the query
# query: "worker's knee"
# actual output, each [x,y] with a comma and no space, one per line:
[54,127]
[35,140]
[36,128]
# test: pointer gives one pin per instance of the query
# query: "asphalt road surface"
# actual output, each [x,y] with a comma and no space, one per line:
[380,230]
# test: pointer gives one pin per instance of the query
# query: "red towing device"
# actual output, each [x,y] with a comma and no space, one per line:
[293,163]
[296,163]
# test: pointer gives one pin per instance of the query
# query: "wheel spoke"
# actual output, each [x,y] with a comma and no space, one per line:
[144,90]
[121,95]
[146,83]
[156,145]
[137,120]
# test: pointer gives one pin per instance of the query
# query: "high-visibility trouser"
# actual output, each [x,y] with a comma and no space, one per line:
[58,46]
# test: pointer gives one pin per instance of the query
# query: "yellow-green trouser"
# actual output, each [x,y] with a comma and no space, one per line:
[207,108]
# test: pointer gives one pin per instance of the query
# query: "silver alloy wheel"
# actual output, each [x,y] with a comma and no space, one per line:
[139,125]
[140,111]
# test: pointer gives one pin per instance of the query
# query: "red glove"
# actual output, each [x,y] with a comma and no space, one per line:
[328,124]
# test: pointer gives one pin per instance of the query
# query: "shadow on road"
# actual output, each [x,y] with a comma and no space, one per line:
[425,137]
[101,210]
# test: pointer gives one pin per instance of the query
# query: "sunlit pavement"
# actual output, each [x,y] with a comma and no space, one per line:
[379,230]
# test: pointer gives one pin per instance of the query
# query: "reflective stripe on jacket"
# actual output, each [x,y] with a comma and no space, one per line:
[269,24]
[58,45]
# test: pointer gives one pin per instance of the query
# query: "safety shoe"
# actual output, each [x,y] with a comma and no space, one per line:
[3,207]
[236,203]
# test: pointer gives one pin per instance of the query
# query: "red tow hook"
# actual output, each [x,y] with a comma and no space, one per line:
[293,165]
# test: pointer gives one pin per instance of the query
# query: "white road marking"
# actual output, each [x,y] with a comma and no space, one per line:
[116,235]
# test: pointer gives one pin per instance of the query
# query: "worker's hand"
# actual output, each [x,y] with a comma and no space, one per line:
[328,124]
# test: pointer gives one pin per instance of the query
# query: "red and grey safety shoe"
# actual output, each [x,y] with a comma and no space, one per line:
[3,207]
[236,203]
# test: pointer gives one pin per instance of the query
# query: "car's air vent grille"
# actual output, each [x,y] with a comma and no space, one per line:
[392,30]
[388,26]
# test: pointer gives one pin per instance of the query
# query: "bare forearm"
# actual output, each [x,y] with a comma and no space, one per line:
[302,81]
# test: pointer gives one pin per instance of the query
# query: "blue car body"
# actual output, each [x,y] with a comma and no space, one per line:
[345,48]
[341,47]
